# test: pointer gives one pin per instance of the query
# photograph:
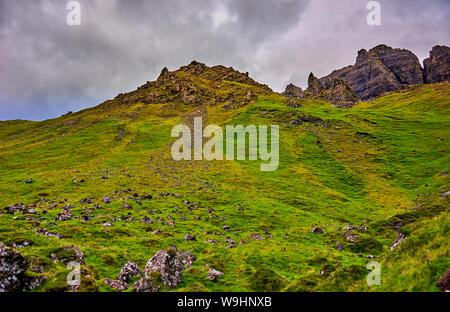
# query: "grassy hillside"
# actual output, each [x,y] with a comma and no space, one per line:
[366,173]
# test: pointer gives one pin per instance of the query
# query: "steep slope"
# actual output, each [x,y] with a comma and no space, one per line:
[104,180]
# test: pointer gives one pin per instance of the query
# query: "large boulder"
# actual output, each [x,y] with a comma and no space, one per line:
[437,66]
[145,285]
[129,270]
[170,264]
[12,270]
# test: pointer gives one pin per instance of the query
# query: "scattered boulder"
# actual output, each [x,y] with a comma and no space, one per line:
[444,282]
[129,270]
[33,282]
[190,237]
[147,220]
[21,244]
[65,215]
[15,208]
[256,237]
[145,285]
[68,254]
[116,284]
[170,264]
[42,231]
[12,270]
[317,230]
[400,238]
[213,274]
[352,238]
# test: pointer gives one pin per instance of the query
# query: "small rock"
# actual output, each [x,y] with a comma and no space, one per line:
[317,230]
[116,284]
[213,274]
[145,285]
[400,238]
[189,237]
[444,282]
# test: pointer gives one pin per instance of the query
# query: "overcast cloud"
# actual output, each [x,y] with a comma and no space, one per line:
[48,68]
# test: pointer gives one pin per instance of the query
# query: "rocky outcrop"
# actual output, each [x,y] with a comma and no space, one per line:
[444,282]
[339,93]
[145,285]
[170,264]
[116,284]
[315,87]
[129,270]
[293,91]
[402,63]
[380,70]
[437,66]
[12,272]
[334,90]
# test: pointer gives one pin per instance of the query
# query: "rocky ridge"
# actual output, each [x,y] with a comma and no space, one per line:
[376,72]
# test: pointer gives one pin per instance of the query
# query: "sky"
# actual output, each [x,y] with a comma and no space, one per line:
[48,67]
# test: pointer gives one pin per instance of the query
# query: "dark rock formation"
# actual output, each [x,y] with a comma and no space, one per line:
[116,284]
[12,270]
[378,71]
[315,87]
[170,264]
[145,285]
[129,270]
[317,230]
[334,90]
[444,282]
[293,91]
[402,63]
[339,92]
[437,66]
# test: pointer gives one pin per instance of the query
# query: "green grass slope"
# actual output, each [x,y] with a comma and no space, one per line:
[362,174]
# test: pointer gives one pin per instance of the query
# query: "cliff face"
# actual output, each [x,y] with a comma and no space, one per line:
[402,63]
[437,66]
[380,70]
[376,72]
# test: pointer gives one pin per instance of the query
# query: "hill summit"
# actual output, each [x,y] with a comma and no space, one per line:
[197,84]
